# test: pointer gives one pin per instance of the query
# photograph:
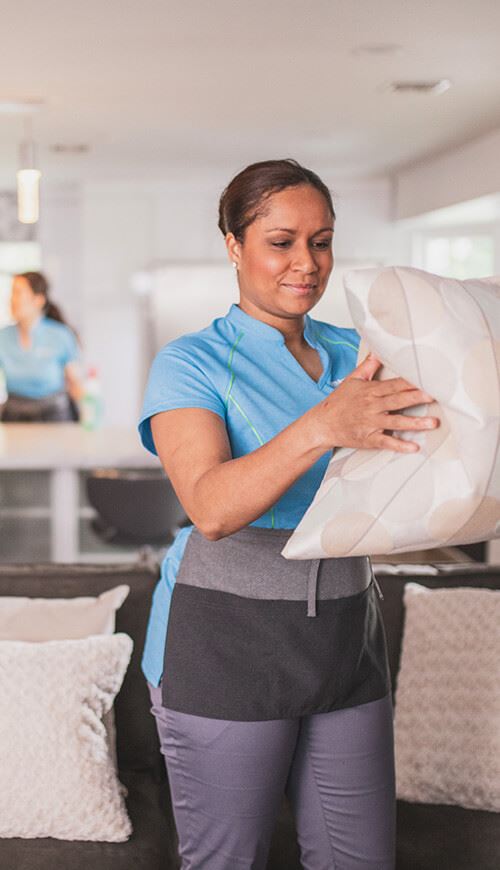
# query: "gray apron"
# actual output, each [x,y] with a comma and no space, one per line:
[254,636]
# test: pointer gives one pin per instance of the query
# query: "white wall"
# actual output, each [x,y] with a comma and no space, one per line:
[127,227]
[458,175]
[60,235]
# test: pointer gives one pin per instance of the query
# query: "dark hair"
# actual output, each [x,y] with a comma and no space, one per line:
[40,287]
[244,198]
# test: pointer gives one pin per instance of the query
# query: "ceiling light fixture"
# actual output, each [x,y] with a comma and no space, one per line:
[28,180]
[435,87]
[20,107]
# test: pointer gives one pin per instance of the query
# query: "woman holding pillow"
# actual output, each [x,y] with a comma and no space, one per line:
[273,676]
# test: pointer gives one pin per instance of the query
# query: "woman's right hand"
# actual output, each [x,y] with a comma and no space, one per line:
[361,411]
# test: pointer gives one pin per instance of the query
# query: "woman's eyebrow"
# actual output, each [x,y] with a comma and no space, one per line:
[292,232]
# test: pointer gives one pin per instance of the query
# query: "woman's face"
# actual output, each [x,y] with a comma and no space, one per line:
[24,304]
[286,256]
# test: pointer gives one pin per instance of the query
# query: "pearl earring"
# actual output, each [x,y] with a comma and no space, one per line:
[235,265]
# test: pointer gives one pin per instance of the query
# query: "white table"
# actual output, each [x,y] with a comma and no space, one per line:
[64,449]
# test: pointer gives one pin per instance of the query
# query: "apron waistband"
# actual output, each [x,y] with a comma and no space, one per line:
[249,564]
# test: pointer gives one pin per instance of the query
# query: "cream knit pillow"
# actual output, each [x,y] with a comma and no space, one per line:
[447,720]
[39,619]
[443,335]
[57,774]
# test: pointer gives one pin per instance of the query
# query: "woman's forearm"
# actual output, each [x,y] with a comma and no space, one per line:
[233,494]
[73,380]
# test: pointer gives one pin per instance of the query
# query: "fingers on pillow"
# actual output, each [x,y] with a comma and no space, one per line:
[366,370]
[402,422]
[388,442]
[398,386]
[404,399]
[389,386]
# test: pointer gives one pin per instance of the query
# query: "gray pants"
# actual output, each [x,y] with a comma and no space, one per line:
[228,779]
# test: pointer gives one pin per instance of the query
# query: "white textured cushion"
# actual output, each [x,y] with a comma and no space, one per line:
[442,335]
[39,619]
[447,720]
[57,774]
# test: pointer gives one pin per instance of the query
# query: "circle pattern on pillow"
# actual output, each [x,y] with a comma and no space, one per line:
[388,304]
[442,335]
[480,375]
[344,532]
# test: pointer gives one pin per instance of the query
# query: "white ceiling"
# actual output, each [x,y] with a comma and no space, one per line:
[193,83]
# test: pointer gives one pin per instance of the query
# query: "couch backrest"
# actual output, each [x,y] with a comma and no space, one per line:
[392,585]
[137,742]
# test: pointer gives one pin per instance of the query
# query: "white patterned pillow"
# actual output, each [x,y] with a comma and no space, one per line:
[57,775]
[447,720]
[443,335]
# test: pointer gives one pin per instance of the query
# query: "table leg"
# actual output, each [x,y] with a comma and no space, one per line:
[64,515]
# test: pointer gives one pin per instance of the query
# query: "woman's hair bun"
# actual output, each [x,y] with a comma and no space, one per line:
[244,199]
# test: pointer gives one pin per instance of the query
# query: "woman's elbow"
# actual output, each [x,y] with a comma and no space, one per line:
[211,534]
[212,528]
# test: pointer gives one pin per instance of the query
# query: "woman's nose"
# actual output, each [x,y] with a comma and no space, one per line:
[304,260]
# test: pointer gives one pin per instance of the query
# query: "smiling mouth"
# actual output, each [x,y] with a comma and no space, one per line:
[301,289]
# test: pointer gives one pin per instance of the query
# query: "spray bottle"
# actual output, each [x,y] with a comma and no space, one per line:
[91,406]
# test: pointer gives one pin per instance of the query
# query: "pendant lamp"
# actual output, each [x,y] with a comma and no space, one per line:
[28,180]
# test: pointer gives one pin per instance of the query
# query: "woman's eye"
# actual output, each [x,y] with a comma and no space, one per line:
[320,245]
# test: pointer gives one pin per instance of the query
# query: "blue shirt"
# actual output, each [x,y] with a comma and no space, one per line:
[37,371]
[240,368]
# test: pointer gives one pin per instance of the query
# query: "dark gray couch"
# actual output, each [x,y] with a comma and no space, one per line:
[152,845]
[429,837]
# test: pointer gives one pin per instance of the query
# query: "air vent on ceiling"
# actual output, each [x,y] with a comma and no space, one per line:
[438,86]
[377,48]
[78,148]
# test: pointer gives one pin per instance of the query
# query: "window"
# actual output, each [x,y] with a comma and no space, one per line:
[460,255]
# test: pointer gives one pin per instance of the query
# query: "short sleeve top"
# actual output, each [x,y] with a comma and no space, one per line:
[240,369]
[37,371]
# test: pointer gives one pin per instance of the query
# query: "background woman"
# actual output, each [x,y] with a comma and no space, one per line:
[38,355]
[274,675]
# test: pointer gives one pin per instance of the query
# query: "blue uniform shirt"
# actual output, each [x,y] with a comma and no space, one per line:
[240,368]
[37,371]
